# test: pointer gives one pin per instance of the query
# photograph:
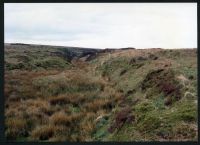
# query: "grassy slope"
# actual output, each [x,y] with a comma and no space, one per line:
[129,95]
[163,104]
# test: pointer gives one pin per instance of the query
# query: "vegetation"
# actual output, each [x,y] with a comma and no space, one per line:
[68,94]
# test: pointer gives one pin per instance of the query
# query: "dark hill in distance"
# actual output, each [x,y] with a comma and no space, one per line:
[66,51]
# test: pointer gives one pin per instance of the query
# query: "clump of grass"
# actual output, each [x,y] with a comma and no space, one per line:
[58,100]
[99,104]
[16,127]
[75,99]
[62,118]
[144,107]
[60,84]
[149,123]
[184,132]
[185,111]
[87,127]
[50,132]
[43,132]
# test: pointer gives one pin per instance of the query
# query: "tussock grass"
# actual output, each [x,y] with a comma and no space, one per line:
[50,97]
[15,127]
[43,132]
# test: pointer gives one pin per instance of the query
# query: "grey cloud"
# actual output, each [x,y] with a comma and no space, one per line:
[103,25]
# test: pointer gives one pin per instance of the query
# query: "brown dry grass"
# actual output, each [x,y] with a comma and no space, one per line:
[46,132]
[61,118]
[16,127]
[47,115]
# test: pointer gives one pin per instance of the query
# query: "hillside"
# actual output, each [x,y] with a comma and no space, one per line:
[55,93]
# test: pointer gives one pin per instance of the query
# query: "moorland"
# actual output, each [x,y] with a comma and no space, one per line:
[55,93]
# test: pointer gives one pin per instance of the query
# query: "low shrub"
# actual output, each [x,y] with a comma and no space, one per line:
[120,118]
[170,89]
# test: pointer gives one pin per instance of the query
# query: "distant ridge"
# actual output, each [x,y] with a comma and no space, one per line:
[25,44]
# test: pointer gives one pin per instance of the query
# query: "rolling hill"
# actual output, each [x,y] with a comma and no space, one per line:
[55,93]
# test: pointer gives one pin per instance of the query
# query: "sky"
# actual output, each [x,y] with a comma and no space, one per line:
[102,25]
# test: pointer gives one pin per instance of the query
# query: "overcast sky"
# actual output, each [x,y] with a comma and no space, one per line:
[102,25]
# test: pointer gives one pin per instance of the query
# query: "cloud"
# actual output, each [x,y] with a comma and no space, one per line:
[102,25]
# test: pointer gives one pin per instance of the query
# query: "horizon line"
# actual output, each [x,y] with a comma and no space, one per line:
[129,47]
